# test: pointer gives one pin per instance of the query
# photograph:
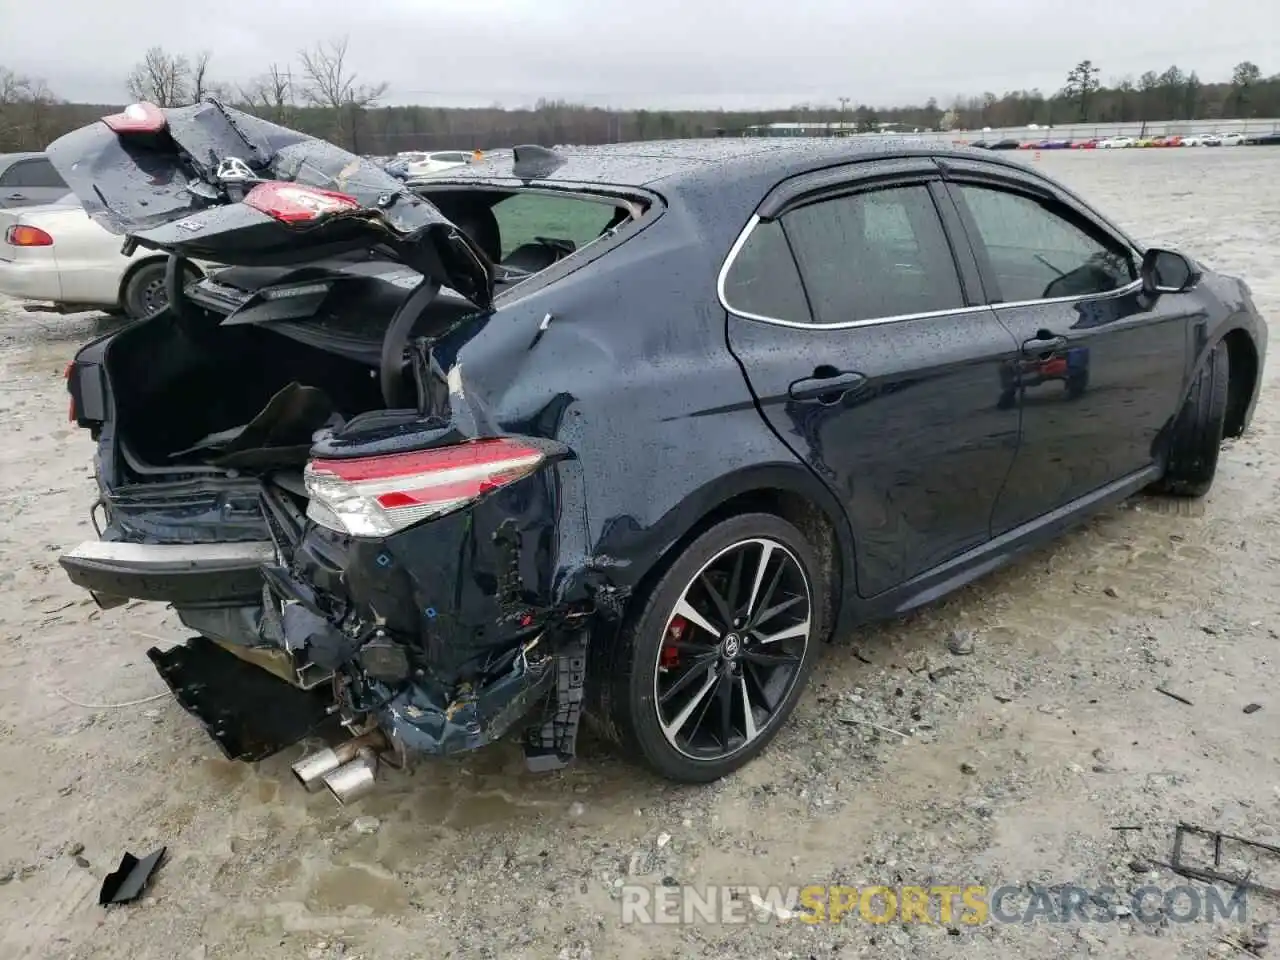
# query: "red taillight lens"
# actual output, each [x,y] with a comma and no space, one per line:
[137,118]
[290,203]
[25,236]
[376,496]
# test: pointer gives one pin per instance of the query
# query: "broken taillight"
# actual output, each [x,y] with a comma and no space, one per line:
[290,203]
[137,118]
[23,235]
[377,496]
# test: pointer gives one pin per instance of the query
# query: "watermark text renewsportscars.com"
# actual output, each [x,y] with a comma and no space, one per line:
[947,905]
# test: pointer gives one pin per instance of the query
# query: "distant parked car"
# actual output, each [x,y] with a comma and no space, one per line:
[27,179]
[1195,140]
[1115,143]
[54,253]
[1233,139]
[433,163]
[1211,140]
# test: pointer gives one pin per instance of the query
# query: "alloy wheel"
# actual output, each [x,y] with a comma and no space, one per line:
[732,649]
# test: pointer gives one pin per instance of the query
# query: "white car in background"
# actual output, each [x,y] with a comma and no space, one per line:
[1115,143]
[1233,139]
[426,164]
[57,255]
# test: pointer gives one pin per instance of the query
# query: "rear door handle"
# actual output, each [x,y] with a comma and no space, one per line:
[1043,344]
[826,386]
[15,196]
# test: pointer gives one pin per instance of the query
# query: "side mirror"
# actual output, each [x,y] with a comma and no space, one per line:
[1167,271]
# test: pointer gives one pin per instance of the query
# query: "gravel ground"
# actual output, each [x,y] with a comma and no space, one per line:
[1018,759]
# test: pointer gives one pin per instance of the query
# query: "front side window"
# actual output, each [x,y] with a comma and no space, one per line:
[1036,253]
[874,255]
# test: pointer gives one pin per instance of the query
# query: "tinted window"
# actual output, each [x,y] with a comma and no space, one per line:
[1037,254]
[877,254]
[763,280]
[525,217]
[451,157]
[32,173]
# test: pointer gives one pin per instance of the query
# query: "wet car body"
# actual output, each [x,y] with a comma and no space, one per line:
[650,407]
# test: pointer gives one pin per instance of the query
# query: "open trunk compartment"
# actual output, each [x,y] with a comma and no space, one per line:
[256,362]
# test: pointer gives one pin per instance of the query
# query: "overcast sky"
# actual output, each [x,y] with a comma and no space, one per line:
[649,53]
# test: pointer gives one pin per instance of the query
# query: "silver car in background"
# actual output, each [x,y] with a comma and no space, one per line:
[28,179]
[56,256]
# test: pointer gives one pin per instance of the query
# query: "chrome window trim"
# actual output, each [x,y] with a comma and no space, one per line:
[877,321]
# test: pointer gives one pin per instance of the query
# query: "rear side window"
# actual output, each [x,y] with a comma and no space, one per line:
[873,255]
[530,219]
[31,173]
[763,280]
[1038,254]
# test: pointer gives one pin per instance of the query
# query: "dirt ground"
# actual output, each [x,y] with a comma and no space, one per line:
[1017,767]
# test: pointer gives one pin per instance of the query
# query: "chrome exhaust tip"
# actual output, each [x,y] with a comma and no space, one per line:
[311,769]
[315,766]
[355,779]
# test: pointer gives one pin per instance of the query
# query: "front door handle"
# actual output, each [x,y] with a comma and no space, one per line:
[827,386]
[1043,344]
[15,196]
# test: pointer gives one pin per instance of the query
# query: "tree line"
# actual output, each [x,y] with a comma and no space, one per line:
[318,93]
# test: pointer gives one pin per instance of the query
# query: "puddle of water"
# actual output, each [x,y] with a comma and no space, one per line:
[341,888]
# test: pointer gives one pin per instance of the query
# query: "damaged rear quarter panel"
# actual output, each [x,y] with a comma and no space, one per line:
[462,588]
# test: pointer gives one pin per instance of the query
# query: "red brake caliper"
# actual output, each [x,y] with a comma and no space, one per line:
[670,656]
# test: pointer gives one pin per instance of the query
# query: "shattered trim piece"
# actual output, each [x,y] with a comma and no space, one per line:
[127,882]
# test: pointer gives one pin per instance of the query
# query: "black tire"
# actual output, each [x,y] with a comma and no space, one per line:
[1077,384]
[144,291]
[629,691]
[1197,434]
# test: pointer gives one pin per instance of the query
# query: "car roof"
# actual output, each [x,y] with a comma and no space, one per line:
[6,159]
[720,161]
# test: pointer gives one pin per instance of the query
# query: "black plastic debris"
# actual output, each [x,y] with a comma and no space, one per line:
[248,712]
[127,882]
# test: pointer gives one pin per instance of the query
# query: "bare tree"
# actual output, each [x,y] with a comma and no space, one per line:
[329,85]
[272,95]
[162,78]
[26,112]
[200,87]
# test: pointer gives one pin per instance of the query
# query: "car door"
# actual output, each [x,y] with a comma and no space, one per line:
[29,183]
[860,329]
[1101,367]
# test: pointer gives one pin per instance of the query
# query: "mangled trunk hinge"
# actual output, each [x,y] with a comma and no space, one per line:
[552,745]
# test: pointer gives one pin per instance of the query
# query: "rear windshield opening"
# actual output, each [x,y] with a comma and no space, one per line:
[527,231]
